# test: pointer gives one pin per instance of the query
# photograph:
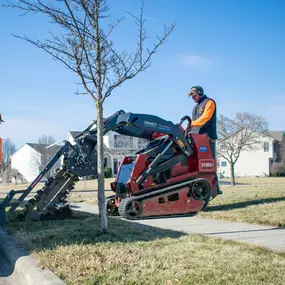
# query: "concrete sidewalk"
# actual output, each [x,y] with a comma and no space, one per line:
[269,237]
[18,268]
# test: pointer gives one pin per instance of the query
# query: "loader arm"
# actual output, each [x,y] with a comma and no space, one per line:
[82,159]
[143,126]
[79,160]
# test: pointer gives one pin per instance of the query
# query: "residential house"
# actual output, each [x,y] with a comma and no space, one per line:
[279,138]
[255,162]
[30,159]
[121,146]
[116,147]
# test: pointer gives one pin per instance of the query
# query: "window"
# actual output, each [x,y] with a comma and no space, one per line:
[218,164]
[131,142]
[125,142]
[222,146]
[224,163]
[266,147]
[105,162]
[142,143]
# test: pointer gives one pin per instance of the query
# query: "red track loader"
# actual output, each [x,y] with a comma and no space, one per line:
[174,174]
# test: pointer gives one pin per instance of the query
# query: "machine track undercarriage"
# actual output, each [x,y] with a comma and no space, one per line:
[182,198]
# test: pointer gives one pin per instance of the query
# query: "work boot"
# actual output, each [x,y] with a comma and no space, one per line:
[219,191]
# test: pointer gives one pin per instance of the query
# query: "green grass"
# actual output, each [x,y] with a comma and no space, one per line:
[257,180]
[257,204]
[135,254]
[255,200]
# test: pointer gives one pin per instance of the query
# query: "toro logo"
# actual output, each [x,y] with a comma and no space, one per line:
[206,165]
[150,124]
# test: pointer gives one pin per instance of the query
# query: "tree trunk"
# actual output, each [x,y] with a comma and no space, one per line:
[233,180]
[100,169]
[99,106]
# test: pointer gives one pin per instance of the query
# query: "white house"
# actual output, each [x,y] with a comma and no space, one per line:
[116,147]
[30,159]
[255,162]
[121,146]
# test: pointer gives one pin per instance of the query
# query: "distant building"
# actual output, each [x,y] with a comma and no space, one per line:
[116,147]
[256,162]
[30,159]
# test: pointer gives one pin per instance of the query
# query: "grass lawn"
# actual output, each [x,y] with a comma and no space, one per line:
[135,254]
[254,203]
[257,180]
[254,200]
[83,191]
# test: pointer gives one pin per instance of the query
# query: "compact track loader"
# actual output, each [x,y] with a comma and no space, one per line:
[174,174]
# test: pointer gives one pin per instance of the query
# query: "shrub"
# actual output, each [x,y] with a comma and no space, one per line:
[91,177]
[278,169]
[108,172]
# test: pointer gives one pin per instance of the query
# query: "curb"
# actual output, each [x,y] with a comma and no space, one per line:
[26,268]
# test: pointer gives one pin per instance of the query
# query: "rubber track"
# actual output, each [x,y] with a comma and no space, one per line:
[125,201]
[55,191]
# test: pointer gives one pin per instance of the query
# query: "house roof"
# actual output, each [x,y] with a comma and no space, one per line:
[74,134]
[41,148]
[277,135]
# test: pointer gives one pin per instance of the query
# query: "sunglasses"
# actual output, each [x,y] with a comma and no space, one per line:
[192,94]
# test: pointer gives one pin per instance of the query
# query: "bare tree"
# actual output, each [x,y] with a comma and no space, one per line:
[44,154]
[240,133]
[11,173]
[46,139]
[48,153]
[88,50]
[8,148]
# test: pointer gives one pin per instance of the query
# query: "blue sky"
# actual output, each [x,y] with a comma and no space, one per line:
[234,49]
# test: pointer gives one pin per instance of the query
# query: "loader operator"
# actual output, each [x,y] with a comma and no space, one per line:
[204,119]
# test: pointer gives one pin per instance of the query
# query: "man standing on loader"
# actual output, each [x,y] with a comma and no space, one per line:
[204,119]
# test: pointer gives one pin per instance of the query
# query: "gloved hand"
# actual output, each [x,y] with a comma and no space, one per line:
[188,128]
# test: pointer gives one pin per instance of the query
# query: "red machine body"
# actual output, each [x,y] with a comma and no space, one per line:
[173,195]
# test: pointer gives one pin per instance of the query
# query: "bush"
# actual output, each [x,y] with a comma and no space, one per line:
[108,172]
[278,169]
[91,177]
